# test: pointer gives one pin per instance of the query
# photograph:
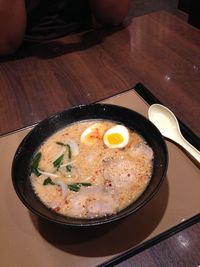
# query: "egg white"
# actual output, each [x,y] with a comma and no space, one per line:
[86,136]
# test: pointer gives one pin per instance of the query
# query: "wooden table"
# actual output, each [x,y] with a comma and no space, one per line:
[158,50]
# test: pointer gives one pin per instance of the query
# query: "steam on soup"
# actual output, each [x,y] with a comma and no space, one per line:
[91,169]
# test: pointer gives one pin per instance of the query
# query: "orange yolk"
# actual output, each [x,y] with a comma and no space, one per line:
[115,138]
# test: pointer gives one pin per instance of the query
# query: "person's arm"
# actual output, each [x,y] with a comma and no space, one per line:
[109,12]
[12,25]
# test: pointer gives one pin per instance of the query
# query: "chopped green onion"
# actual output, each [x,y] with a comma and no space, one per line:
[76,186]
[83,184]
[35,163]
[61,144]
[48,181]
[69,148]
[73,188]
[69,152]
[69,168]
[58,161]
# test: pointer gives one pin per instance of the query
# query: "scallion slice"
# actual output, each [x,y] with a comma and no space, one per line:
[69,168]
[61,144]
[69,152]
[48,181]
[35,163]
[76,186]
[58,161]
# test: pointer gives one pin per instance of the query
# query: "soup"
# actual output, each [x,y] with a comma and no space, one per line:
[91,169]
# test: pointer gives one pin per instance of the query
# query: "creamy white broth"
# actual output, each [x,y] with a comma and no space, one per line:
[92,180]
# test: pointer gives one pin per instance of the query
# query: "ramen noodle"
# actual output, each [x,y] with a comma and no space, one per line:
[91,169]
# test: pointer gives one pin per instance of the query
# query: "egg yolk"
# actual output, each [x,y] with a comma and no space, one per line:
[115,138]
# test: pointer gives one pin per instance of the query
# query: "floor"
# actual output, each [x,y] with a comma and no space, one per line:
[142,7]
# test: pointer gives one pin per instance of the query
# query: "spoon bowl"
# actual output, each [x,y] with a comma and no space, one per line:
[168,125]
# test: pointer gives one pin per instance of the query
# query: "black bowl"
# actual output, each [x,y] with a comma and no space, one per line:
[23,157]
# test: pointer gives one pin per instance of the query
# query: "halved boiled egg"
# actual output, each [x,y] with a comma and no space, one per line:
[116,137]
[93,133]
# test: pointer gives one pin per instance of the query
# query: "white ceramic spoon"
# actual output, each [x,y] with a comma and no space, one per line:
[168,125]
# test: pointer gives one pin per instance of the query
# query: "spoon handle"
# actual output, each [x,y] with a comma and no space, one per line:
[189,148]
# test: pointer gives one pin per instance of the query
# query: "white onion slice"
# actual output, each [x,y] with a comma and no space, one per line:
[74,147]
[48,174]
[68,163]
[63,185]
[88,178]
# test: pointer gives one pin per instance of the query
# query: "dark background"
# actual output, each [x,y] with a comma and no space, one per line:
[188,10]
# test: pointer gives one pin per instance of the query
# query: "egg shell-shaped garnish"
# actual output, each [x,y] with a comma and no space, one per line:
[116,137]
